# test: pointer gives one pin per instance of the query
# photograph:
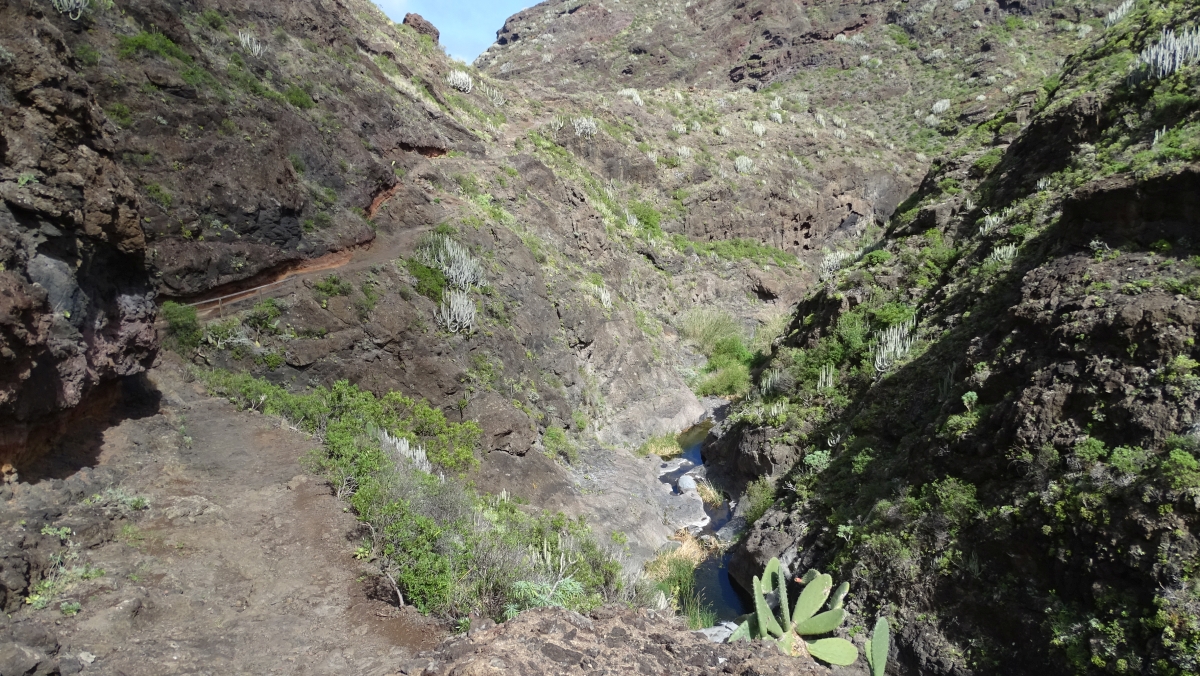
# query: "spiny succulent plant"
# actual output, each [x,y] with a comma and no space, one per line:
[876,649]
[790,629]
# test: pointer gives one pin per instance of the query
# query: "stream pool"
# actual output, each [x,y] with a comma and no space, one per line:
[712,576]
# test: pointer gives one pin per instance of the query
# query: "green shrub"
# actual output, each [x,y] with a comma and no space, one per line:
[862,460]
[958,425]
[248,82]
[298,97]
[955,499]
[891,314]
[87,54]
[197,77]
[1181,468]
[1091,450]
[430,281]
[987,162]
[729,359]
[728,351]
[730,381]
[558,445]
[760,495]
[648,217]
[332,285]
[160,195]
[877,257]
[900,37]
[264,316]
[182,324]
[736,248]
[1129,459]
[680,585]
[120,113]
[370,298]
[213,19]
[272,360]
[706,328]
[151,43]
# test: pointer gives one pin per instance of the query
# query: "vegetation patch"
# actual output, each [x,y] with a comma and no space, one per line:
[446,549]
[151,43]
[718,336]
[674,571]
[737,248]
[665,446]
[183,327]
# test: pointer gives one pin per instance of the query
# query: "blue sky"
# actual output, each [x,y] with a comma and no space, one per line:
[468,26]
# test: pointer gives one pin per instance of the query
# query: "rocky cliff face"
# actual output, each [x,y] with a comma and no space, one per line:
[76,308]
[708,44]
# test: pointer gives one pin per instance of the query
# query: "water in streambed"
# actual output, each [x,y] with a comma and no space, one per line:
[712,576]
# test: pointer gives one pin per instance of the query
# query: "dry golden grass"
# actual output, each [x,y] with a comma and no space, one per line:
[690,550]
[665,446]
[709,493]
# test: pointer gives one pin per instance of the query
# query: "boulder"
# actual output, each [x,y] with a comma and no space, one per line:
[421,25]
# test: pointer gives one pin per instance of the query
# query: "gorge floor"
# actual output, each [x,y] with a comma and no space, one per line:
[243,563]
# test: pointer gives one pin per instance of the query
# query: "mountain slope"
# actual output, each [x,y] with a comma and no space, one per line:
[1017,481]
[534,245]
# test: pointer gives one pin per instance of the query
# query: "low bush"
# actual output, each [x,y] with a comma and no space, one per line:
[151,43]
[736,249]
[558,445]
[182,325]
[332,285]
[877,257]
[264,316]
[430,281]
[675,574]
[733,380]
[298,98]
[719,337]
[706,328]
[760,495]
[120,113]
[1181,468]
[648,217]
[447,550]
[987,162]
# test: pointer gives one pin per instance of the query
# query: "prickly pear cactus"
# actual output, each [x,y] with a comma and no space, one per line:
[877,647]
[789,629]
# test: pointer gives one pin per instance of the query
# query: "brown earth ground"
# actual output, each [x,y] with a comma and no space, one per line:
[243,563]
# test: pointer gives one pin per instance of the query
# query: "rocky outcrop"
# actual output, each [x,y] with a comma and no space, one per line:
[76,307]
[421,25]
[608,641]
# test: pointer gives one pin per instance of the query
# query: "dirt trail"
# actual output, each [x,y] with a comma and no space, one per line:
[272,283]
[242,565]
[275,283]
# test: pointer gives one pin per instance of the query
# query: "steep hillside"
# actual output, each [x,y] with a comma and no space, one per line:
[487,292]
[992,424]
[797,126]
[319,202]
